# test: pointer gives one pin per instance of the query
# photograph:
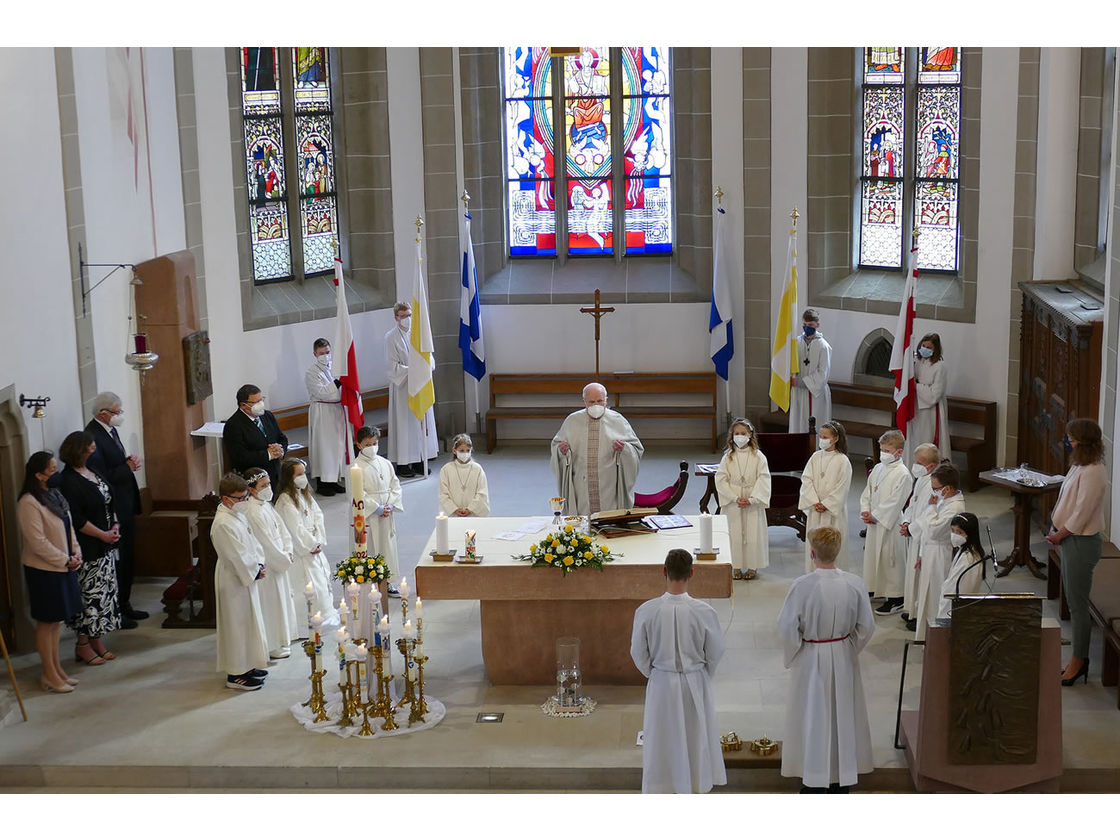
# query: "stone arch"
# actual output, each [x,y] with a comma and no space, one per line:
[873,358]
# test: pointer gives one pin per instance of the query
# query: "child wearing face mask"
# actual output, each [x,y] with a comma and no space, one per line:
[281,623]
[926,460]
[930,423]
[462,482]
[884,553]
[304,520]
[824,488]
[743,485]
[381,490]
[935,548]
[966,573]
[810,395]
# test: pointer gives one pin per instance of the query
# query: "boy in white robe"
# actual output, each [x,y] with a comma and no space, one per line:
[811,396]
[825,622]
[281,624]
[824,487]
[242,645]
[677,645]
[926,459]
[595,457]
[743,485]
[884,553]
[462,482]
[381,490]
[326,423]
[935,549]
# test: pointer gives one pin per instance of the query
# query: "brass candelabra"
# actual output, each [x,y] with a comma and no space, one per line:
[382,706]
[316,701]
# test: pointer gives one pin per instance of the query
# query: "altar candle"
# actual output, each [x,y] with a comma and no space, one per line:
[408,630]
[442,539]
[705,533]
[343,611]
[419,608]
[403,588]
[316,623]
[353,590]
[356,483]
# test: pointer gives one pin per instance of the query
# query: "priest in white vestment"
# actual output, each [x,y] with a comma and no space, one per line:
[884,553]
[935,549]
[381,491]
[811,396]
[462,482]
[242,642]
[825,622]
[677,644]
[326,423]
[824,487]
[281,623]
[410,444]
[743,487]
[926,459]
[595,457]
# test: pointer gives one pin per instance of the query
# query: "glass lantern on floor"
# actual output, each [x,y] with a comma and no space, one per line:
[569,680]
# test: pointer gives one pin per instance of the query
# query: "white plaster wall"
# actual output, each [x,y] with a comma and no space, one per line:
[789,177]
[406,146]
[38,344]
[1059,87]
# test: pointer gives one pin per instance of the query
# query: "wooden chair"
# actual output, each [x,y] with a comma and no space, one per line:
[786,453]
[665,500]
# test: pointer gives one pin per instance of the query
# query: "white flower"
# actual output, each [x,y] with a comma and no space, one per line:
[360,570]
[579,562]
[561,549]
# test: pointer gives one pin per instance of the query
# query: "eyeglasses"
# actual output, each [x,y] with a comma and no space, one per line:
[243,498]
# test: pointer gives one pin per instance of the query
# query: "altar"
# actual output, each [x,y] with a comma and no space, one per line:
[525,609]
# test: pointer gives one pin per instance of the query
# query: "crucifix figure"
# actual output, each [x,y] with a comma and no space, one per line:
[597,312]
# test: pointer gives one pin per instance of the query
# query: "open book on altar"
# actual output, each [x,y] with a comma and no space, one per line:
[618,523]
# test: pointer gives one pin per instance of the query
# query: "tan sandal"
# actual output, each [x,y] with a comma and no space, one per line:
[751,574]
[736,574]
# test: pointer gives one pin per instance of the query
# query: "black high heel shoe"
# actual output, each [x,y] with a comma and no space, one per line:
[1083,671]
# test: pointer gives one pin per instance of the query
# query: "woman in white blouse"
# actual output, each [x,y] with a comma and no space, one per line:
[462,482]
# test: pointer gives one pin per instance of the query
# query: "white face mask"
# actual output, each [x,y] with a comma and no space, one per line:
[241,507]
[405,323]
[463,457]
[258,408]
[918,471]
[596,411]
[957,539]
[887,457]
[117,420]
[370,451]
[825,443]
[925,352]
[324,360]
[741,440]
[265,495]
[300,481]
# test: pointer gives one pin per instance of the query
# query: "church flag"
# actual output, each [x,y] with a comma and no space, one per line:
[421,352]
[784,362]
[719,322]
[344,341]
[902,354]
[470,314]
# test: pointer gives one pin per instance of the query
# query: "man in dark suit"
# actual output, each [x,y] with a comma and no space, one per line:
[112,462]
[253,437]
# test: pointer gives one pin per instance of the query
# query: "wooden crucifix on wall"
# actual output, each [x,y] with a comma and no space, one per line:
[597,312]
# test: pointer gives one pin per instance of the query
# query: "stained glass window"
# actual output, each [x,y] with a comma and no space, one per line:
[909,157]
[596,135]
[283,182]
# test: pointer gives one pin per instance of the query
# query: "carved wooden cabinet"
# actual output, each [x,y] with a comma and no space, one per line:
[1059,370]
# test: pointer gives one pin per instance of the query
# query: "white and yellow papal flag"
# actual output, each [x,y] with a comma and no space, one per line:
[421,351]
[784,362]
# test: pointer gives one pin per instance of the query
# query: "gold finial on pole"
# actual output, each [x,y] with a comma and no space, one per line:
[914,237]
[719,196]
[465,197]
[419,224]
[334,246]
[795,216]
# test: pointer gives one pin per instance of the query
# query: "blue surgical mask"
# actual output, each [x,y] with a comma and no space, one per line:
[925,352]
[810,331]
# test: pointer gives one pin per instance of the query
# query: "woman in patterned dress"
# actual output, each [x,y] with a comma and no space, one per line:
[91,505]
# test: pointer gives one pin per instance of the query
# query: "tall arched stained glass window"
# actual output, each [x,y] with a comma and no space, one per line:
[286,99]
[614,144]
[909,156]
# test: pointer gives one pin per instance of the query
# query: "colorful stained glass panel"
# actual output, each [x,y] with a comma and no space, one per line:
[319,221]
[938,127]
[260,91]
[939,65]
[587,113]
[268,231]
[883,143]
[312,79]
[529,138]
[528,72]
[316,154]
[647,134]
[648,216]
[590,220]
[532,219]
[935,214]
[264,159]
[883,65]
[880,243]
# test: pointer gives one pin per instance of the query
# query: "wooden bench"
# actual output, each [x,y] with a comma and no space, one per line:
[979,452]
[505,388]
[295,417]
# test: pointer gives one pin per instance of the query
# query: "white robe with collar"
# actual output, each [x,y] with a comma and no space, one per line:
[930,423]
[327,438]
[407,442]
[463,487]
[811,397]
[242,641]
[281,622]
[936,553]
[827,739]
[884,553]
[916,508]
[826,480]
[617,470]
[677,644]
[381,490]
[304,521]
[745,473]
[971,580]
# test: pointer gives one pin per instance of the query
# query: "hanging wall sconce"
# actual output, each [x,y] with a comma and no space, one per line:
[138,355]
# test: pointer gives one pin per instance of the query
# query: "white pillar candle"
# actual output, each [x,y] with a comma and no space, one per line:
[408,630]
[343,611]
[309,593]
[403,588]
[705,533]
[442,539]
[356,483]
[419,608]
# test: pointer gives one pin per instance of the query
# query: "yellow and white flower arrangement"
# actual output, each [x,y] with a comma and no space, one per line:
[363,569]
[568,550]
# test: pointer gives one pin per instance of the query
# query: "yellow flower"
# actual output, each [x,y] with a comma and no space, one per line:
[548,558]
[587,540]
[341,573]
[567,529]
[533,548]
[555,542]
[604,549]
[361,579]
[587,555]
[568,560]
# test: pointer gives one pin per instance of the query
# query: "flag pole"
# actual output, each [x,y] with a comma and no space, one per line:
[726,382]
[465,198]
[420,420]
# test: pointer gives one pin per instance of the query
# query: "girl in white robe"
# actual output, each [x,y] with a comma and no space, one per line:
[281,623]
[242,646]
[825,622]
[462,482]
[884,553]
[935,550]
[743,485]
[304,520]
[824,487]
[966,573]
[381,490]
[930,423]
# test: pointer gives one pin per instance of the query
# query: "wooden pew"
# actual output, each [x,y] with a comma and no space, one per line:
[979,452]
[556,395]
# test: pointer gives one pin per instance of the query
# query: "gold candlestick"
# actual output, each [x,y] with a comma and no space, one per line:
[407,648]
[382,706]
[316,702]
[420,706]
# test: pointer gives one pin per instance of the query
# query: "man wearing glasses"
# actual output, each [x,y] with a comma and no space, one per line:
[253,437]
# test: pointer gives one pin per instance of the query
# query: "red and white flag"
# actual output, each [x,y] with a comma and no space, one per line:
[902,355]
[347,372]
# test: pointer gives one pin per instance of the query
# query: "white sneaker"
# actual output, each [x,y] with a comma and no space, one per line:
[282,653]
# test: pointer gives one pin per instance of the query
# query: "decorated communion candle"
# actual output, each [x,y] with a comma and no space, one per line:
[356,490]
[705,533]
[353,591]
[442,539]
[343,611]
[316,623]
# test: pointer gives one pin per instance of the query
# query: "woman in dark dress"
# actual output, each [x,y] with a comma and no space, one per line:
[50,555]
[91,504]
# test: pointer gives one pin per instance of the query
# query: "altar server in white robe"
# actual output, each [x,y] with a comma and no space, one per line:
[824,487]
[409,443]
[677,644]
[595,457]
[825,622]
[381,490]
[242,643]
[930,423]
[966,572]
[935,549]
[304,520]
[281,623]
[884,553]
[926,460]
[743,486]
[326,423]
[811,396]
[462,482]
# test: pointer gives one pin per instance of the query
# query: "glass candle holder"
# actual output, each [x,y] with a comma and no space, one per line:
[569,679]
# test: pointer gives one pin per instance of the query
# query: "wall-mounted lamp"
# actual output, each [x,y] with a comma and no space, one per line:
[137,355]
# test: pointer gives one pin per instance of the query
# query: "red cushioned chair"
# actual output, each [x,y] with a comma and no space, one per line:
[665,500]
